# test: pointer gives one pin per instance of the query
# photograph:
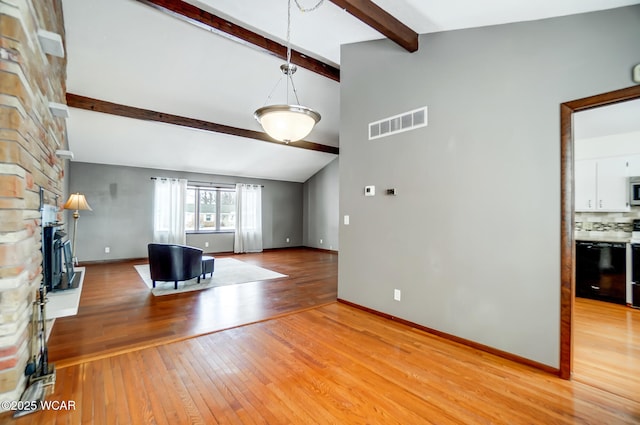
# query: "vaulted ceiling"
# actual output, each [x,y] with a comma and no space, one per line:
[166,83]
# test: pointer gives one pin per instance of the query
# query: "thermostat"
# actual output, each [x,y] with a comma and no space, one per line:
[369,191]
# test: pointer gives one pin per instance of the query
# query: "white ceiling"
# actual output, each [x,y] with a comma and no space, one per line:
[619,118]
[126,52]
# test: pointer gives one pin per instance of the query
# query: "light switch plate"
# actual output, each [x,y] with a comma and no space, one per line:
[369,191]
[636,73]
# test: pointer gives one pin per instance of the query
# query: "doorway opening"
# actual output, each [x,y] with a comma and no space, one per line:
[567,252]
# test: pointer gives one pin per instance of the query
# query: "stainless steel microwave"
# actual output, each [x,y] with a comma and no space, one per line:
[634,190]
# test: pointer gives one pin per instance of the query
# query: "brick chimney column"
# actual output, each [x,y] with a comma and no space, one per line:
[29,137]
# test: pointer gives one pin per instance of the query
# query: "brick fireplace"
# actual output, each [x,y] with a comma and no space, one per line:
[29,137]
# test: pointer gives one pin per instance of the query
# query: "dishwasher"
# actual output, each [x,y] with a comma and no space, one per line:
[601,271]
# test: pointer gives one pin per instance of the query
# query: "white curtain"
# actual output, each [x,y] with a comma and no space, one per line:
[168,211]
[248,218]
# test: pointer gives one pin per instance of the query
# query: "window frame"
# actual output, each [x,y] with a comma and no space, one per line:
[197,226]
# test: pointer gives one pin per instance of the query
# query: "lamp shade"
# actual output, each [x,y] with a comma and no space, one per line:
[287,123]
[77,201]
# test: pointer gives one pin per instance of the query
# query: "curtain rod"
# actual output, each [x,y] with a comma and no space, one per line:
[203,182]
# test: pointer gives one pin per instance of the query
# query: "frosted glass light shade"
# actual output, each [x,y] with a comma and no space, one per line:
[287,123]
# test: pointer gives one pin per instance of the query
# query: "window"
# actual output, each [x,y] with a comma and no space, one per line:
[210,209]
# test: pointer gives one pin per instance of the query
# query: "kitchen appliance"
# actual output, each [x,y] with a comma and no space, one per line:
[635,272]
[601,271]
[634,191]
[635,264]
[635,233]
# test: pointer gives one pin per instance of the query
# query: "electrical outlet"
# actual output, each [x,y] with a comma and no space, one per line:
[287,240]
[107,250]
[206,244]
[397,295]
[320,241]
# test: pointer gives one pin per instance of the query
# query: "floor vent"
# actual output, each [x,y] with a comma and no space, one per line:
[398,123]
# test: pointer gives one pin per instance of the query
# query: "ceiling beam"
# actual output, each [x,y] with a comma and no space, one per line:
[374,16]
[90,104]
[203,19]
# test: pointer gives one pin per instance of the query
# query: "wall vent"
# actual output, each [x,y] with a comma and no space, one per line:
[398,123]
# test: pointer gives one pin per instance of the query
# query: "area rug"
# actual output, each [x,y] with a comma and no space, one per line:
[227,271]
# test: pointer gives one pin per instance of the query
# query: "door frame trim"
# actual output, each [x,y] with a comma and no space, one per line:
[567,210]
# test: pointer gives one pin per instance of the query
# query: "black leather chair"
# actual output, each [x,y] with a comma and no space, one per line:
[174,263]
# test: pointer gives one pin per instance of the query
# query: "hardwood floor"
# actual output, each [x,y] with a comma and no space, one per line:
[607,347]
[118,313]
[330,364]
[324,363]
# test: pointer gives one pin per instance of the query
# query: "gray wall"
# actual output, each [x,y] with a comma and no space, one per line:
[122,218]
[320,208]
[473,237]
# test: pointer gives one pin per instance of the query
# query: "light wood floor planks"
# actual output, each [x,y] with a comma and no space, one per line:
[330,364]
[324,364]
[607,347]
[118,313]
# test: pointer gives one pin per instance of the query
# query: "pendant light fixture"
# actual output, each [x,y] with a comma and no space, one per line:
[288,123]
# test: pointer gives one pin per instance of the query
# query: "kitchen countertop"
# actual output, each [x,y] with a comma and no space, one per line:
[619,237]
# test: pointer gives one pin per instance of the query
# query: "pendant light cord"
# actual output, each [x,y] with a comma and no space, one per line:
[310,9]
[288,123]
[290,68]
[290,71]
[302,9]
[289,33]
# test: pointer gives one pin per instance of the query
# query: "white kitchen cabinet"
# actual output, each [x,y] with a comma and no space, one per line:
[585,185]
[601,185]
[634,166]
[612,184]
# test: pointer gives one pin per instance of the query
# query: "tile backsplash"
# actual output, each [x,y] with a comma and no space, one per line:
[618,224]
